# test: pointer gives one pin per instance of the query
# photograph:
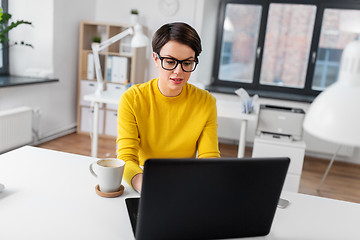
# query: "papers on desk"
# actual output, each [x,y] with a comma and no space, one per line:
[248,102]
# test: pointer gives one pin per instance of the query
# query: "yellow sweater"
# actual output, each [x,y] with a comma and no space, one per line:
[151,125]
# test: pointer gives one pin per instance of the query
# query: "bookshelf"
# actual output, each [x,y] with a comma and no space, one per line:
[120,65]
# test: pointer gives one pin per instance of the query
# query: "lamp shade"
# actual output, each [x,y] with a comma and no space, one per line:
[139,39]
[335,114]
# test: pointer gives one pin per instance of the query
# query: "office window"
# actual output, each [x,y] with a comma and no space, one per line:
[281,49]
[287,45]
[336,33]
[240,37]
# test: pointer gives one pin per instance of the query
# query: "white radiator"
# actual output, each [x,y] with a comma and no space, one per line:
[15,128]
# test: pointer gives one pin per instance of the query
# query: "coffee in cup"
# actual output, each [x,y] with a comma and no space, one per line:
[109,172]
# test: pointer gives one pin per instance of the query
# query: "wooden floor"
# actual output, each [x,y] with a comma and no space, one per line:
[343,181]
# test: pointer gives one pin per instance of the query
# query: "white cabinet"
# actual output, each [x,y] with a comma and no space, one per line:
[87,116]
[86,87]
[295,150]
[111,123]
[115,88]
[107,113]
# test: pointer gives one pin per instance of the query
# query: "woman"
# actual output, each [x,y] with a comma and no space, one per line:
[167,117]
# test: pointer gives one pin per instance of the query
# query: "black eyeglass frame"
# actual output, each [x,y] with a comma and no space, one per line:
[196,61]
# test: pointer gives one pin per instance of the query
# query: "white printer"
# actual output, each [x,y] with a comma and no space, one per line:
[280,122]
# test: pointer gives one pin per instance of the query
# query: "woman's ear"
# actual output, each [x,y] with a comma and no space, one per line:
[155,57]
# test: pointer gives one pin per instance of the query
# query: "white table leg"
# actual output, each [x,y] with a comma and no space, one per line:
[94,141]
[241,150]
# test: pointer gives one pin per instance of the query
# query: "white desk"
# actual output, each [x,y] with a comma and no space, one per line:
[109,97]
[51,195]
[225,109]
[233,110]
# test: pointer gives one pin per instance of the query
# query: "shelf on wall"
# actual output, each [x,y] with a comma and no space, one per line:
[10,81]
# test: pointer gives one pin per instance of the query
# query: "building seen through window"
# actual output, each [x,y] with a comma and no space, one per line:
[292,47]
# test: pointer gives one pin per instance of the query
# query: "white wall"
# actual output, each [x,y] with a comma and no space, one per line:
[23,58]
[208,32]
[150,16]
[55,38]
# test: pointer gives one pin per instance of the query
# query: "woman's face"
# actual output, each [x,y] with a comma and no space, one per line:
[171,82]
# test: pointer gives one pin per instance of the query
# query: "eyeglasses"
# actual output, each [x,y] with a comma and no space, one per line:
[172,63]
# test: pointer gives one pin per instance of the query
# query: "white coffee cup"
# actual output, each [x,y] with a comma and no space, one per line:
[109,172]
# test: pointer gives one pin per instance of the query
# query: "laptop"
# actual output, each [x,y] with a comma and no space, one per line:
[207,198]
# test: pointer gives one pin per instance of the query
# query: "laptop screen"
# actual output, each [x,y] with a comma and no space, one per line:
[208,198]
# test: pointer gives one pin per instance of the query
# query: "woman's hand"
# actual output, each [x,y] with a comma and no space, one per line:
[136,182]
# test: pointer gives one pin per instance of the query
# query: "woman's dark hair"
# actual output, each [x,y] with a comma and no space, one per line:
[179,32]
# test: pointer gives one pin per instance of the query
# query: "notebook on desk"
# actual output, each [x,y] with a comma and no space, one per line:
[207,198]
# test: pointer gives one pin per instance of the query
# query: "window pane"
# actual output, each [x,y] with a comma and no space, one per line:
[239,42]
[336,33]
[1,54]
[4,50]
[1,46]
[287,45]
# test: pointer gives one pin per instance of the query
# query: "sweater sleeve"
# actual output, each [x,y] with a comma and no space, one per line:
[128,137]
[208,146]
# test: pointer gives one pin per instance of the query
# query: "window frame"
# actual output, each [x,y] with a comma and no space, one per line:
[4,70]
[306,93]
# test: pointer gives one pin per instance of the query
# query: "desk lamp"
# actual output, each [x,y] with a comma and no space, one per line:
[139,40]
[334,115]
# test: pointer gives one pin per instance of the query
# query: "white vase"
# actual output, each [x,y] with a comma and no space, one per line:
[134,19]
[94,44]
